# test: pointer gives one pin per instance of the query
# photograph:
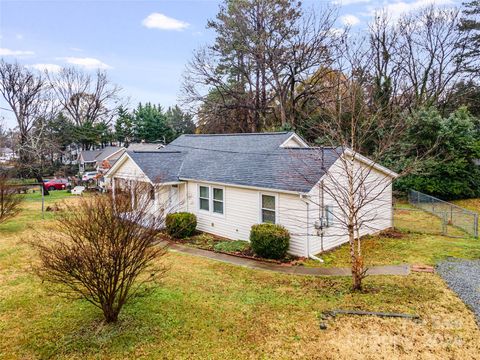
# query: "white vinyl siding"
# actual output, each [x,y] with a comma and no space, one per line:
[130,170]
[232,210]
[329,216]
[379,211]
[242,210]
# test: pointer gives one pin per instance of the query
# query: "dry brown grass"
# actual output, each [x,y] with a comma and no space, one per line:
[207,309]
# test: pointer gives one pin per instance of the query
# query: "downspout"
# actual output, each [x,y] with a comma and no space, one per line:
[322,214]
[310,255]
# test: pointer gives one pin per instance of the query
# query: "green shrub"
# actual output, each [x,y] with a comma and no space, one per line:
[231,246]
[269,240]
[181,225]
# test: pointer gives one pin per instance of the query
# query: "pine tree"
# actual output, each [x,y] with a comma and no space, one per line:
[181,122]
[470,26]
[151,125]
[124,126]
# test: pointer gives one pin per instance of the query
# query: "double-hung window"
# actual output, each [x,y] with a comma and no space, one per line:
[218,200]
[268,209]
[211,199]
[204,198]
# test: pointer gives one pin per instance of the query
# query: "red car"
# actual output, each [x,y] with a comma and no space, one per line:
[56,184]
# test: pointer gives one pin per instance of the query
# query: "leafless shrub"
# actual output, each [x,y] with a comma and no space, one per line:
[9,199]
[102,254]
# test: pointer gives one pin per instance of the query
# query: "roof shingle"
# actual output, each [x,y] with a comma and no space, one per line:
[255,160]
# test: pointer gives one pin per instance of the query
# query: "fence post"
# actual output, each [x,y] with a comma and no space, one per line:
[444,223]
[475,226]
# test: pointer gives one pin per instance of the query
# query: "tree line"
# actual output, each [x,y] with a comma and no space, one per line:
[60,114]
[280,65]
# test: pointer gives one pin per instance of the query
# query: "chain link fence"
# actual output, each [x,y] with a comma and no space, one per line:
[448,219]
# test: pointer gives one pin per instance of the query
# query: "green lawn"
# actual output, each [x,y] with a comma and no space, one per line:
[409,249]
[419,241]
[32,210]
[211,310]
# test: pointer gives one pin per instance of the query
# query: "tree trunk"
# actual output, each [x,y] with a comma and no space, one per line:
[39,178]
[110,314]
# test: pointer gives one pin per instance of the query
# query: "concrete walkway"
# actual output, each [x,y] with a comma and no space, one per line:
[296,270]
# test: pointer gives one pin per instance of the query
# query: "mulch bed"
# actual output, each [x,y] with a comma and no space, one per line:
[246,254]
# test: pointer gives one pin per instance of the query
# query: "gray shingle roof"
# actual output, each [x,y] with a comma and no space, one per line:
[242,159]
[100,154]
[145,146]
[90,155]
[107,151]
[250,143]
[160,167]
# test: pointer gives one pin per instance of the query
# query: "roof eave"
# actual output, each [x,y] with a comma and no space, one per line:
[294,192]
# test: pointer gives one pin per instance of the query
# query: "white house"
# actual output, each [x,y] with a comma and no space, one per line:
[233,181]
[99,159]
[103,159]
[6,154]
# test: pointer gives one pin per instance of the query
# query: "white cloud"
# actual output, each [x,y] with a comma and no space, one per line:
[163,22]
[76,49]
[19,37]
[52,68]
[349,2]
[397,9]
[349,20]
[9,52]
[87,62]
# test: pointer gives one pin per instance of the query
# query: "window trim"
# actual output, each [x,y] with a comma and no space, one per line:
[199,197]
[260,206]
[213,188]
[330,220]
[210,199]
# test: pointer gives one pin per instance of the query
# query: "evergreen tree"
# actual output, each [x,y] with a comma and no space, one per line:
[151,125]
[451,173]
[470,26]
[105,134]
[179,121]
[124,130]
[86,135]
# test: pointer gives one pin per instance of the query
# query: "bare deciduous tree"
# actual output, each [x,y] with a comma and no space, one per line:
[418,58]
[108,250]
[30,97]
[25,93]
[85,97]
[10,201]
[351,124]
[260,64]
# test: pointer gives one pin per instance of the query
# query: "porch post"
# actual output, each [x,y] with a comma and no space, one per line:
[113,187]
[155,201]
[132,195]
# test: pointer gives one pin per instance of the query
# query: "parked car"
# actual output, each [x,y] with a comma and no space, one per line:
[89,176]
[56,184]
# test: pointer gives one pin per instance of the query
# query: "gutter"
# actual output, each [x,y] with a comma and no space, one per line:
[309,254]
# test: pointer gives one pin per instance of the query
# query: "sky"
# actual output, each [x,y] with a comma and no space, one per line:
[144,45]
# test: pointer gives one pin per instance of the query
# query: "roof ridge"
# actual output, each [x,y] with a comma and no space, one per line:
[311,148]
[157,151]
[239,134]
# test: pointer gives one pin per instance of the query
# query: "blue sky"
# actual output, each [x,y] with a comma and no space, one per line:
[144,45]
